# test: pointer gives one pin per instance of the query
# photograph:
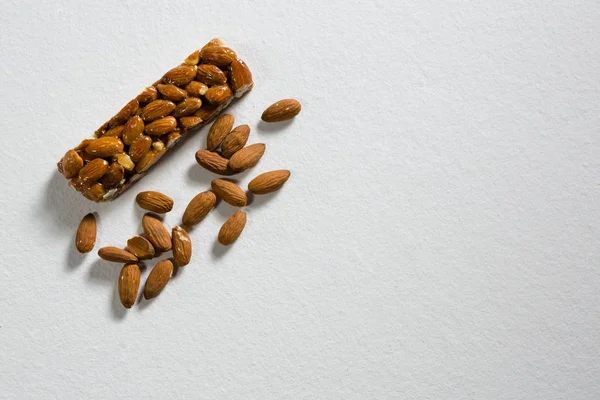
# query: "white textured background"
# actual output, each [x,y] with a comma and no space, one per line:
[438,238]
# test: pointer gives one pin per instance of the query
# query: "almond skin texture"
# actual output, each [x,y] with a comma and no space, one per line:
[187,107]
[281,111]
[214,162]
[139,148]
[182,246]
[181,75]
[232,228]
[161,126]
[71,164]
[94,170]
[85,239]
[157,109]
[129,284]
[229,192]
[140,247]
[154,201]
[105,147]
[156,232]
[235,140]
[126,112]
[210,75]
[158,279]
[269,181]
[148,95]
[172,92]
[241,78]
[217,55]
[219,130]
[218,94]
[247,157]
[134,128]
[196,89]
[111,253]
[198,208]
[93,191]
[189,122]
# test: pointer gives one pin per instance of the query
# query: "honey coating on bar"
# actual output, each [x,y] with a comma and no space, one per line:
[186,98]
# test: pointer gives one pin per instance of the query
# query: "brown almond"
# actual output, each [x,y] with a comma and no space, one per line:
[85,239]
[207,112]
[171,92]
[113,176]
[134,128]
[182,246]
[219,130]
[172,138]
[241,78]
[139,148]
[140,247]
[94,170]
[235,140]
[148,160]
[148,95]
[154,201]
[196,89]
[129,284]
[214,162]
[156,232]
[161,126]
[187,107]
[111,253]
[217,55]
[213,42]
[105,147]
[269,181]
[232,228]
[71,164]
[126,112]
[158,279]
[157,109]
[229,192]
[193,58]
[247,157]
[189,122]
[198,208]
[218,94]
[180,75]
[84,143]
[125,161]
[114,132]
[93,191]
[210,75]
[281,111]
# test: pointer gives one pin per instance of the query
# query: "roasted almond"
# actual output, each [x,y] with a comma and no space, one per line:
[241,78]
[219,130]
[154,201]
[158,279]
[156,232]
[71,164]
[193,58]
[281,111]
[269,181]
[93,191]
[235,140]
[115,132]
[198,208]
[232,228]
[85,239]
[182,246]
[94,170]
[206,112]
[113,176]
[171,92]
[247,157]
[129,284]
[148,95]
[111,253]
[140,247]
[149,159]
[84,143]
[229,192]
[134,128]
[161,126]
[214,162]
[139,148]
[187,107]
[172,138]
[189,122]
[125,161]
[213,42]
[126,112]
[210,75]
[218,94]
[157,109]
[196,89]
[217,55]
[181,75]
[105,147]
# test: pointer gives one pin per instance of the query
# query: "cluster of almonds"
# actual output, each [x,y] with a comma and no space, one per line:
[230,143]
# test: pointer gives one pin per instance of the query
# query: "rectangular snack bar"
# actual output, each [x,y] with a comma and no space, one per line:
[186,98]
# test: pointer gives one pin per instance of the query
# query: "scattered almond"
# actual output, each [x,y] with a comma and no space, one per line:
[198,208]
[235,140]
[156,232]
[281,111]
[140,247]
[85,239]
[232,228]
[214,162]
[154,201]
[229,192]
[247,157]
[111,253]
[129,284]
[219,130]
[182,246]
[269,181]
[158,279]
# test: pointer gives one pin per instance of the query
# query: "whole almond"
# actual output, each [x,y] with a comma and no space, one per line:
[247,157]
[189,122]
[218,94]
[196,89]
[171,92]
[198,208]
[161,126]
[210,75]
[241,78]
[105,147]
[126,112]
[219,130]
[139,148]
[93,191]
[235,140]
[229,192]
[213,42]
[187,107]
[157,109]
[111,253]
[129,284]
[206,112]
[113,176]
[214,162]
[217,55]
[71,164]
[158,279]
[148,160]
[154,201]
[269,181]
[182,246]
[114,132]
[232,228]
[94,170]
[281,111]
[181,75]
[140,247]
[193,58]
[148,95]
[134,128]
[156,232]
[85,239]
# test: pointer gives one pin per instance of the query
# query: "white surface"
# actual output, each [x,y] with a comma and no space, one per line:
[438,238]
